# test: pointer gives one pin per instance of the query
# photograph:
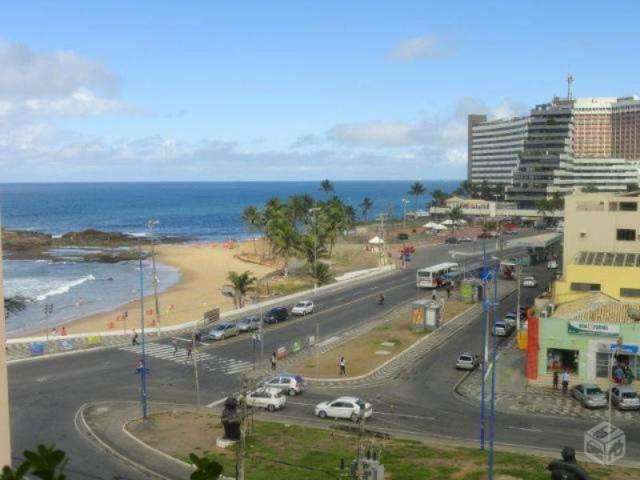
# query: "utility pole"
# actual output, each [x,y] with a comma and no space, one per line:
[194,359]
[151,224]
[240,451]
[361,450]
[5,424]
[519,292]
[494,345]
[485,350]
[404,212]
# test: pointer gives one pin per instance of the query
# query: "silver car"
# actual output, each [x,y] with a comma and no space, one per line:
[467,361]
[222,331]
[625,397]
[249,324]
[289,384]
[589,395]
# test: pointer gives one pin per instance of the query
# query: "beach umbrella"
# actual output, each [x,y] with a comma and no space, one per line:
[437,226]
[448,222]
[376,240]
[429,225]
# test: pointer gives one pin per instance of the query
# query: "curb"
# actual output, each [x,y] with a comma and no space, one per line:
[111,451]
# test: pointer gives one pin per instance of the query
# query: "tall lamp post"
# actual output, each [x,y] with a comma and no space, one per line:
[150,225]
[143,353]
[405,202]
[5,424]
[314,211]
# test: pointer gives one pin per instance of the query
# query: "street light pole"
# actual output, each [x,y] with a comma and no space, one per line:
[404,212]
[143,353]
[314,211]
[151,224]
[485,350]
[5,424]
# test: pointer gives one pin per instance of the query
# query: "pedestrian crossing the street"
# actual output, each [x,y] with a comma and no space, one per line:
[206,361]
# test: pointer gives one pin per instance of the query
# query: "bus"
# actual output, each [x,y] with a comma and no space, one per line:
[437,275]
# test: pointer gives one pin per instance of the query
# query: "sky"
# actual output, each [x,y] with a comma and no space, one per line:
[304,90]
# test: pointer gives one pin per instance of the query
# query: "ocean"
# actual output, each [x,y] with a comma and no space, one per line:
[197,210]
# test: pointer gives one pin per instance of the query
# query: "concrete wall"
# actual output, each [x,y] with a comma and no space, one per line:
[590,224]
[611,280]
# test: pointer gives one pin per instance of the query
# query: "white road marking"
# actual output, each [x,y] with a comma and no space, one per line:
[301,404]
[536,430]
[418,417]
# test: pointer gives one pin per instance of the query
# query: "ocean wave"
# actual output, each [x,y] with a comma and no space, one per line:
[137,234]
[65,287]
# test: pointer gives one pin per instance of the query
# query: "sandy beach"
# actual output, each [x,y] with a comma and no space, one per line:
[203,267]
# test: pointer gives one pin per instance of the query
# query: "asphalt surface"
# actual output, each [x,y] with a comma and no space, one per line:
[46,394]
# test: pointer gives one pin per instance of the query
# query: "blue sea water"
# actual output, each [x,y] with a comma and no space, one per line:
[206,211]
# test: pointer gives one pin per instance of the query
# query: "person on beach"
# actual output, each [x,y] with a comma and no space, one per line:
[274,360]
[343,366]
[556,377]
[134,339]
[174,342]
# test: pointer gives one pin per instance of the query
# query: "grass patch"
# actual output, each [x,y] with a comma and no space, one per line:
[278,451]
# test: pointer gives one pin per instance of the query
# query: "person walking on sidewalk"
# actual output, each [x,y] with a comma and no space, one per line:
[134,339]
[189,349]
[174,342]
[565,381]
[448,292]
[274,360]
[556,377]
[343,366]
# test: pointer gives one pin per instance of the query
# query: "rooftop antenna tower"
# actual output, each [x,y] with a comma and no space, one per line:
[569,86]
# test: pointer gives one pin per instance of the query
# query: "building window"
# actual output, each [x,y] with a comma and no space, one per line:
[628,207]
[626,234]
[630,292]
[585,287]
[602,365]
[559,359]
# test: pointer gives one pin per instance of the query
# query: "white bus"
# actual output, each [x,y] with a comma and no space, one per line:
[437,275]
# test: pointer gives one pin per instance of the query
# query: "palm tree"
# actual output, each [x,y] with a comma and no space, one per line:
[241,283]
[417,190]
[557,201]
[498,191]
[366,206]
[321,272]
[14,305]
[336,217]
[485,190]
[455,215]
[284,238]
[439,197]
[544,207]
[326,186]
[253,218]
[299,206]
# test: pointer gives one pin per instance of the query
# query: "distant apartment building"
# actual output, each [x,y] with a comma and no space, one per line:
[495,148]
[562,145]
[601,250]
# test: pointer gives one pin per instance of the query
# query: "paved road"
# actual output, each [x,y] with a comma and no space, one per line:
[45,394]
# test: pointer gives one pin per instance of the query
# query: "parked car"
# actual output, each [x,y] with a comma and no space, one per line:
[502,328]
[249,324]
[276,315]
[466,240]
[287,383]
[625,397]
[510,319]
[351,408]
[484,235]
[222,331]
[467,361]
[270,398]
[451,240]
[304,307]
[589,395]
[529,282]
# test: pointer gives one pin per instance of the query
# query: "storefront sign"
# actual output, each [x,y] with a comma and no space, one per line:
[624,349]
[588,328]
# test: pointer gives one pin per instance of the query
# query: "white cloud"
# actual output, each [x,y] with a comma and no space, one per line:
[81,103]
[27,73]
[417,48]
[376,133]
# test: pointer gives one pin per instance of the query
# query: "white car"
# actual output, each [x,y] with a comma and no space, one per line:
[351,408]
[270,398]
[529,282]
[302,308]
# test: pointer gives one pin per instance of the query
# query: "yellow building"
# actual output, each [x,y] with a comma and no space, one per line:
[601,247]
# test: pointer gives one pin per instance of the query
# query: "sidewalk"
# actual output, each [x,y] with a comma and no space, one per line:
[103,423]
[515,395]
